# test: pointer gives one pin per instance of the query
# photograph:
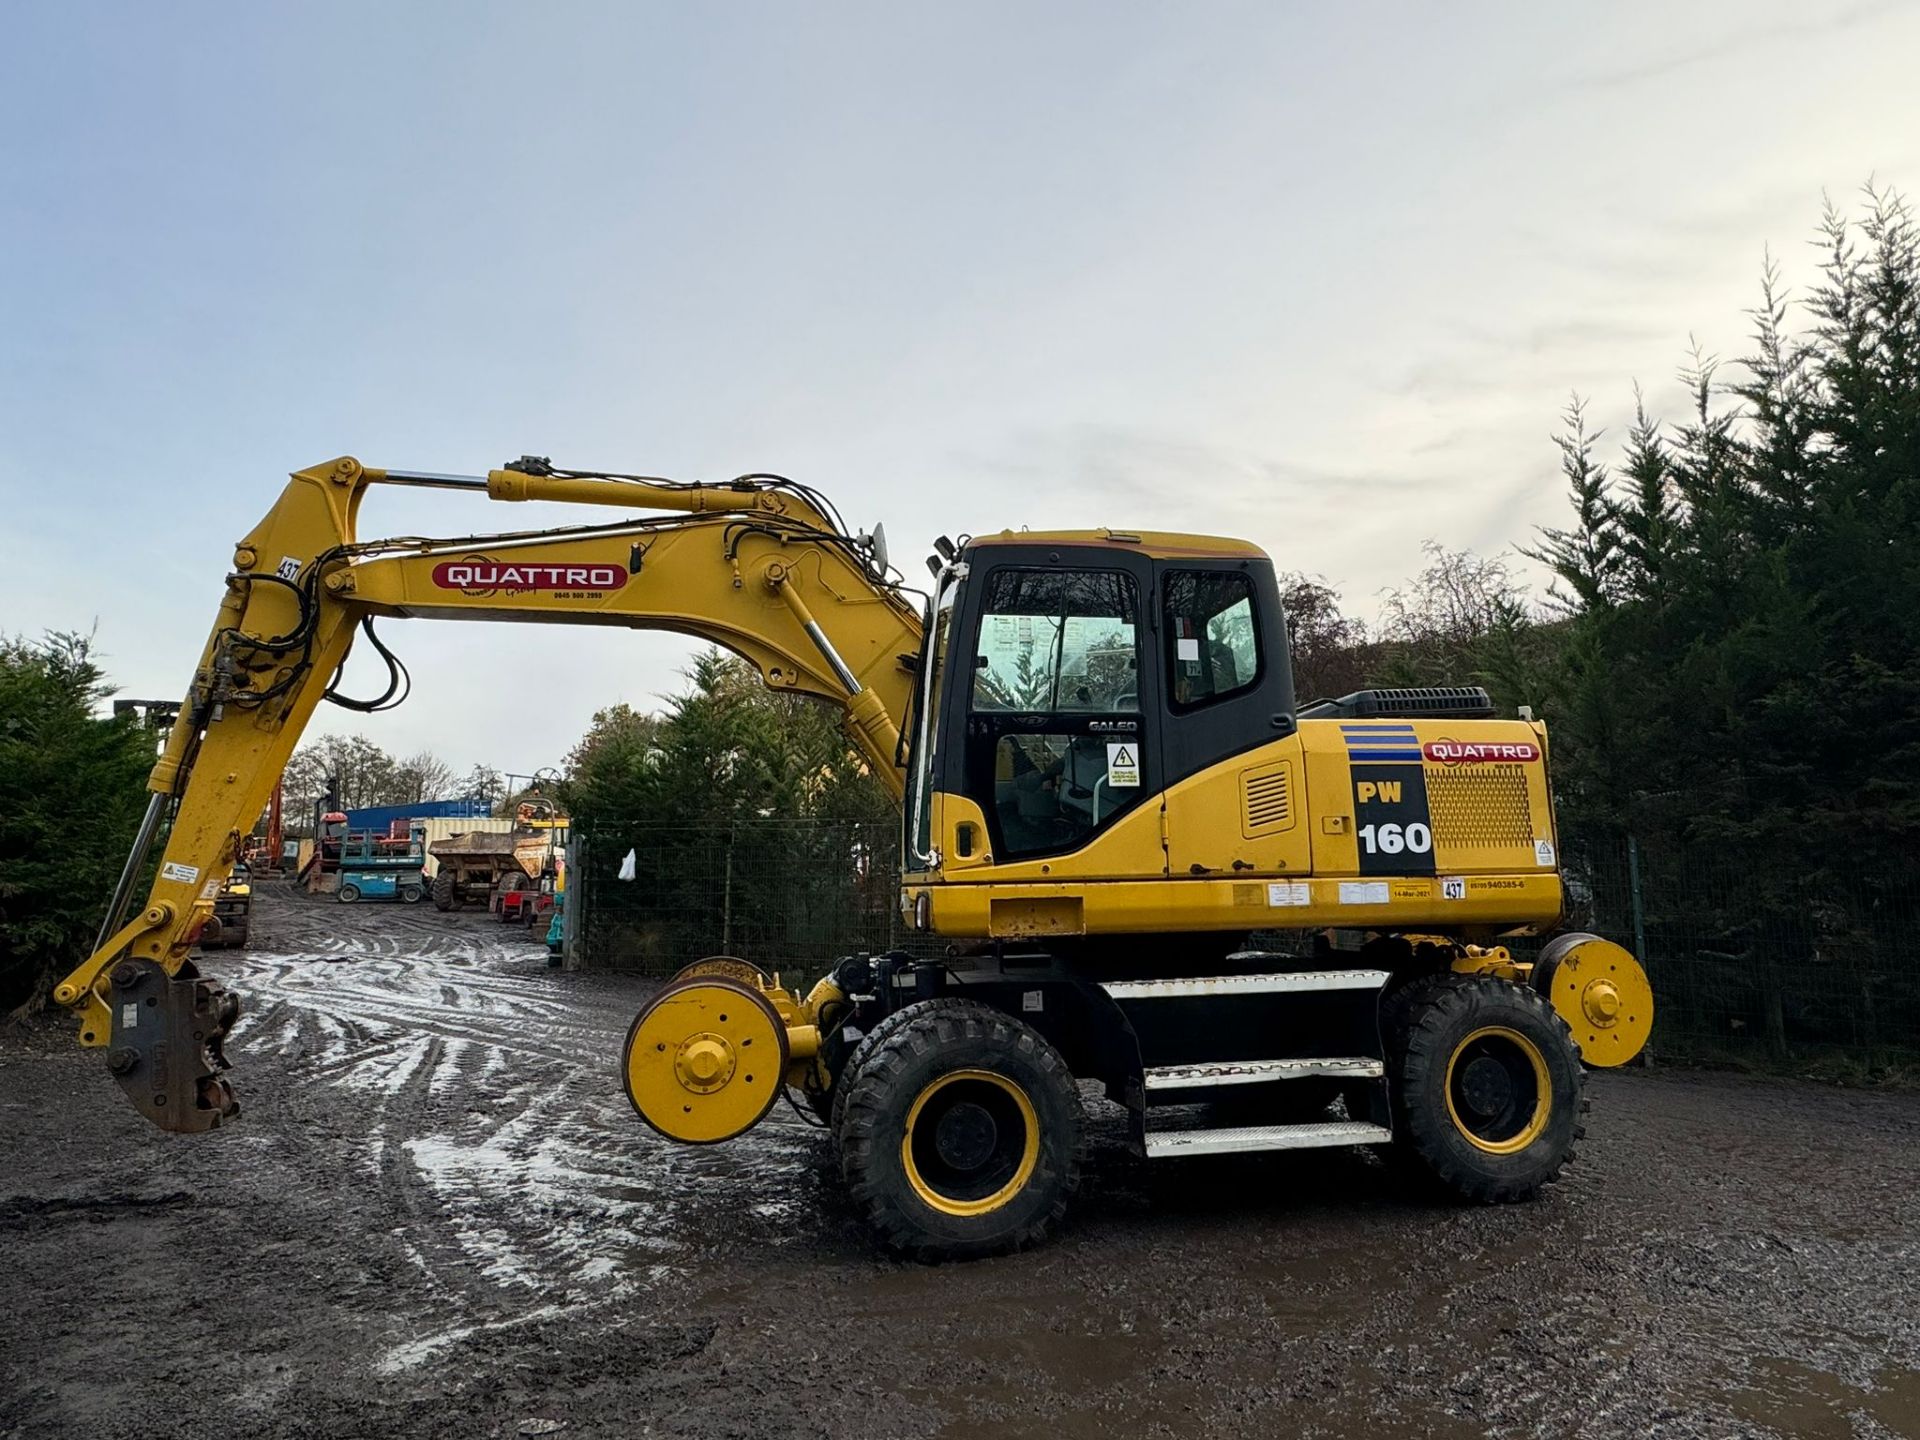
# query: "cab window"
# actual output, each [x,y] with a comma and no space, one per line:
[1053,640]
[1213,647]
[1056,695]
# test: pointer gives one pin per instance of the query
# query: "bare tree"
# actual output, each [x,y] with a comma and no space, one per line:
[421,776]
[357,773]
[1329,648]
[483,782]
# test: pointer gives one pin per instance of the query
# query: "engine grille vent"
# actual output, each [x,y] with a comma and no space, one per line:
[1266,799]
[1481,807]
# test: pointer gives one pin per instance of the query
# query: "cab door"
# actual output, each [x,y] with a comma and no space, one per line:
[1236,781]
[1051,692]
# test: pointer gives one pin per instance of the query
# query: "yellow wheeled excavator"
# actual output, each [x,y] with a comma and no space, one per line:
[1107,787]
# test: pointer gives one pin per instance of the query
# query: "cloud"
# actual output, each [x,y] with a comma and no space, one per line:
[1742,37]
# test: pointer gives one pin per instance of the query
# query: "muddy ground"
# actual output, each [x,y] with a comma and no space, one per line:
[439,1217]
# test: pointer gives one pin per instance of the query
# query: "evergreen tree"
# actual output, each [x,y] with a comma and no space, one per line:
[72,790]
[1584,557]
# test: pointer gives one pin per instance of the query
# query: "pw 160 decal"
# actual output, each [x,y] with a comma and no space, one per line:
[477,575]
[1392,822]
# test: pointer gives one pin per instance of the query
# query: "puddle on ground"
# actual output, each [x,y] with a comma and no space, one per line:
[1797,1400]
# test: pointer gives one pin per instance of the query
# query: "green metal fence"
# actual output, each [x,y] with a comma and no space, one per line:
[791,895]
[1753,958]
[1752,963]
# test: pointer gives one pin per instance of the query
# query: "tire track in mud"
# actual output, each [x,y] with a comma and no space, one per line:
[488,1116]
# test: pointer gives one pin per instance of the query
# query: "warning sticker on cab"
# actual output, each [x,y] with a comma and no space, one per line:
[1123,764]
[185,874]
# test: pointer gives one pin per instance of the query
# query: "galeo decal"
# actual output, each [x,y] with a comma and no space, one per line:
[478,575]
[1468,752]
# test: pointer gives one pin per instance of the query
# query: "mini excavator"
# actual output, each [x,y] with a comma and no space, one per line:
[1108,794]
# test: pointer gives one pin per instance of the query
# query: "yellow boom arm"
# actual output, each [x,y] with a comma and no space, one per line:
[755,565]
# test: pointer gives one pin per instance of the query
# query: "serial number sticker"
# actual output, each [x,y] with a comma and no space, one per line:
[1543,852]
[1364,892]
[1032,999]
[185,874]
[130,1015]
[1289,892]
[1453,887]
[288,568]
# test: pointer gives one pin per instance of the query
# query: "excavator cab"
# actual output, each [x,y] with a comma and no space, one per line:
[1095,671]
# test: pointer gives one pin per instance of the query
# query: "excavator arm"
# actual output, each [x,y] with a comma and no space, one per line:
[758,565]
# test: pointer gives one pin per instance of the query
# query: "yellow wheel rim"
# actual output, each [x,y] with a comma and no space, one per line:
[1603,994]
[704,1059]
[1499,1094]
[971,1142]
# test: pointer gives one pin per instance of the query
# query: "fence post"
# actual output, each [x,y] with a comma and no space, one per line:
[575,902]
[726,901]
[1639,908]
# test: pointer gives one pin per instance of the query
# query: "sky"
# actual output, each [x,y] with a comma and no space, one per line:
[1320,276]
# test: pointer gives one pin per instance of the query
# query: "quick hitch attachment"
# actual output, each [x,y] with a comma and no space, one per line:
[168,1049]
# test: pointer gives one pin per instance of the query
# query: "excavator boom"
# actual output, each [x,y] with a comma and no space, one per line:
[758,565]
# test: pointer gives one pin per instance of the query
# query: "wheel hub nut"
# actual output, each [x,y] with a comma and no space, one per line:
[1601,1002]
[965,1136]
[704,1063]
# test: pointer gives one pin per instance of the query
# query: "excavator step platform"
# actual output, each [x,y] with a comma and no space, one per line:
[1172,1144]
[1256,1072]
[1222,986]
[1247,1041]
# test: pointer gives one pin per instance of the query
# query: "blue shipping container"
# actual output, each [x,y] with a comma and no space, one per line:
[381,817]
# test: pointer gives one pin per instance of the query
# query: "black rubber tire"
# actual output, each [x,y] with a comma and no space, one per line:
[1426,1023]
[936,1038]
[446,895]
[348,894]
[411,894]
[869,1042]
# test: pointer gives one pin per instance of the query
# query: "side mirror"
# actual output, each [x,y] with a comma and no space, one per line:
[877,547]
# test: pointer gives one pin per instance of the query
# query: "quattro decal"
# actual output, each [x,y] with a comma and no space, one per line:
[1469,752]
[477,575]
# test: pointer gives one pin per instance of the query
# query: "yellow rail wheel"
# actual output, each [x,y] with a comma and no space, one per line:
[1602,993]
[1486,1087]
[705,1059]
[724,967]
[961,1133]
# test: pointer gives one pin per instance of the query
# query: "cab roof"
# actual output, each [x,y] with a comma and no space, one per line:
[1159,544]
